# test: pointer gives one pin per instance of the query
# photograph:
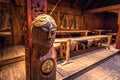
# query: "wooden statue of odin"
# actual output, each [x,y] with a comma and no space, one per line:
[43,57]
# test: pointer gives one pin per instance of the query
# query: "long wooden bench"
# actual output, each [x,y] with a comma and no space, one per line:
[69,40]
[68,32]
[100,31]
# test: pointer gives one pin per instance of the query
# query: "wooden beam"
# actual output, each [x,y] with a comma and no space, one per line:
[76,1]
[114,11]
[96,4]
[87,4]
[103,9]
[106,2]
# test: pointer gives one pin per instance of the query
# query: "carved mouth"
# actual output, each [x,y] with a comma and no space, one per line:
[50,42]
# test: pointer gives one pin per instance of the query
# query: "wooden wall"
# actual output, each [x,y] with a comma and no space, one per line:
[16,8]
[93,21]
[65,16]
[111,20]
[69,18]
[18,21]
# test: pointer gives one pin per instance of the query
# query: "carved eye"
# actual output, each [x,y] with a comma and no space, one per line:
[53,31]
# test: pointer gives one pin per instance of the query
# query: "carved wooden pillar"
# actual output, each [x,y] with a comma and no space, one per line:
[43,56]
[32,9]
[118,34]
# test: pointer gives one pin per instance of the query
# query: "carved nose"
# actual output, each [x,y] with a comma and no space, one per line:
[49,34]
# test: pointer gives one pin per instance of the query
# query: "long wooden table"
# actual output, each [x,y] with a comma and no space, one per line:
[5,33]
[69,40]
[79,31]
[113,34]
[100,31]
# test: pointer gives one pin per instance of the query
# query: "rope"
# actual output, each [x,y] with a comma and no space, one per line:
[54,7]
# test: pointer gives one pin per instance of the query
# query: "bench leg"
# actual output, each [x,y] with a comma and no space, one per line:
[61,50]
[67,52]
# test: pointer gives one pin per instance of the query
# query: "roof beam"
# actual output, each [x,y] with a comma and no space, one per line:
[76,1]
[96,4]
[87,4]
[106,2]
[103,9]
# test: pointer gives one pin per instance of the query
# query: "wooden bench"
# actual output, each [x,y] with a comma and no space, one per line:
[100,31]
[70,32]
[69,40]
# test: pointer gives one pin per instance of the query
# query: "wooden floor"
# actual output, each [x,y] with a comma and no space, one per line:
[83,61]
[109,69]
[16,71]
[12,54]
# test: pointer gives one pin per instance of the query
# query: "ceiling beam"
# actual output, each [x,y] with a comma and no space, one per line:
[76,1]
[104,9]
[87,4]
[96,4]
[106,2]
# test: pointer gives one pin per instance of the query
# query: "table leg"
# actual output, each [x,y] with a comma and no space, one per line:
[109,41]
[61,50]
[86,33]
[67,52]
[100,32]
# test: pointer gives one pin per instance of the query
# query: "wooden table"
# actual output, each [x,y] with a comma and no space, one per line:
[76,31]
[100,31]
[113,34]
[69,40]
[5,33]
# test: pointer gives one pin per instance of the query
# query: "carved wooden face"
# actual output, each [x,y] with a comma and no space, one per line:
[44,35]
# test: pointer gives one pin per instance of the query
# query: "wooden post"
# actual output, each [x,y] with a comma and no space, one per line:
[118,34]
[28,41]
[43,56]
[58,19]
[32,9]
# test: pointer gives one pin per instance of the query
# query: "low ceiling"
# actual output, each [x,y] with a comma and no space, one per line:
[89,4]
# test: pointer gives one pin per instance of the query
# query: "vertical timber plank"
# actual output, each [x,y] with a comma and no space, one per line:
[118,34]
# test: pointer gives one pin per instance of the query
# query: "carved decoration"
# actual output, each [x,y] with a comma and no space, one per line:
[32,9]
[37,7]
[47,67]
[43,56]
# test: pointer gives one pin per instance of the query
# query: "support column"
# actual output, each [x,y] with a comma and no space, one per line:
[118,34]
[32,8]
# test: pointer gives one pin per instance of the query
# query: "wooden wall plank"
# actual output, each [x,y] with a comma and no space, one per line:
[86,21]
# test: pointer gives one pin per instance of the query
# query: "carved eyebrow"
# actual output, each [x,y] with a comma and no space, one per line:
[49,25]
[52,27]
